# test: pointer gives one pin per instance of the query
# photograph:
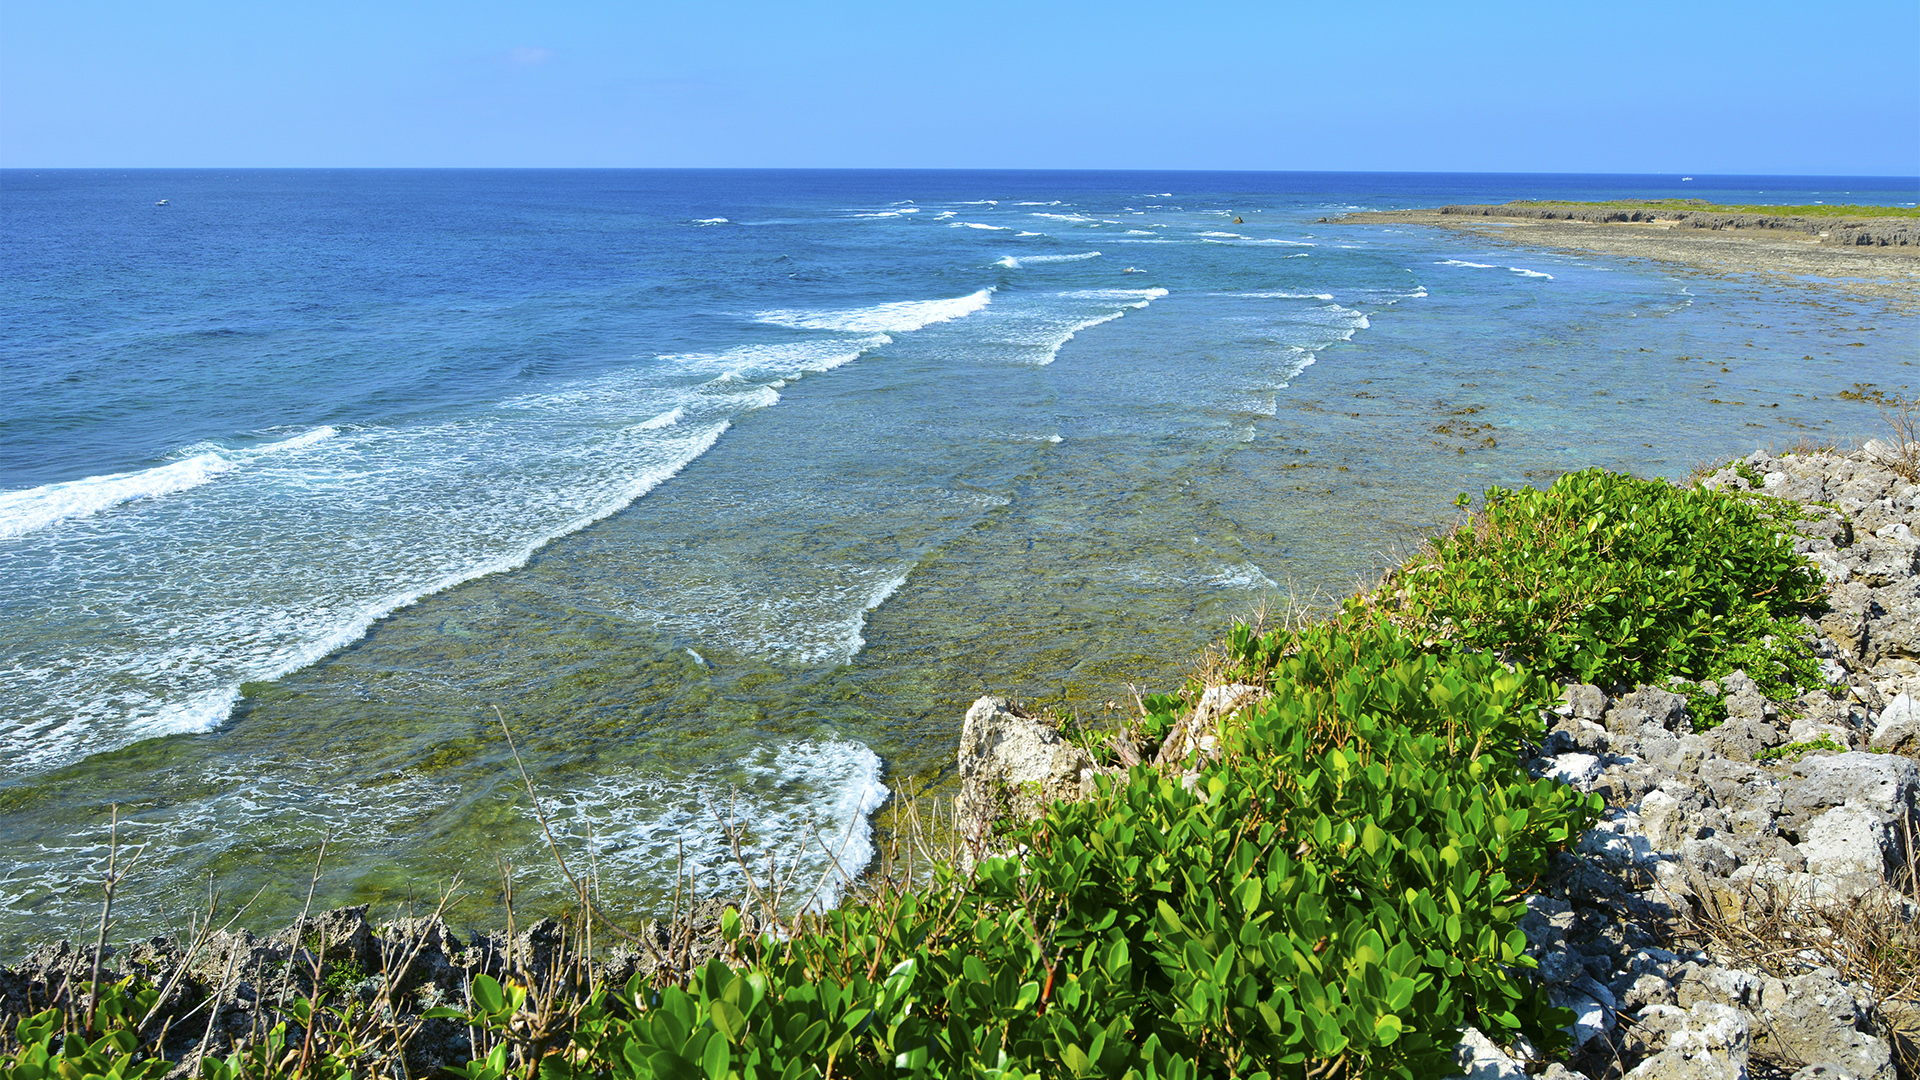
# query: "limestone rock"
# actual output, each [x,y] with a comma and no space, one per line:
[1893,625]
[1885,782]
[1898,728]
[1745,700]
[1011,767]
[1479,1059]
[1649,705]
[1742,738]
[1852,842]
[1710,1040]
[1584,702]
[1818,1021]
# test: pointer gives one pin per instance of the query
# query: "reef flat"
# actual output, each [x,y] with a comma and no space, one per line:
[1873,253]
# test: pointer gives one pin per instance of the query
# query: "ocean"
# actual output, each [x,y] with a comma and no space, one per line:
[728,491]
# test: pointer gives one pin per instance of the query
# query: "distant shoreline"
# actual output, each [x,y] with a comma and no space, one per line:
[1781,249]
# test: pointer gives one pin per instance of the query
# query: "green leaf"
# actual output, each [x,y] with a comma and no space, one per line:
[487,994]
[718,1058]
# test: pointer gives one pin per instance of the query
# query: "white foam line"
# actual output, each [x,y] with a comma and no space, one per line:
[759,397]
[782,360]
[852,849]
[799,813]
[1304,360]
[31,509]
[1246,575]
[900,317]
[977,225]
[712,221]
[1115,294]
[1054,353]
[319,434]
[1521,270]
[1013,262]
[1279,295]
[856,640]
[665,419]
[208,710]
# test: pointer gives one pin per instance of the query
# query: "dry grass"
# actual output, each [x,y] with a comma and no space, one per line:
[1872,939]
[1808,446]
[1699,473]
[1902,415]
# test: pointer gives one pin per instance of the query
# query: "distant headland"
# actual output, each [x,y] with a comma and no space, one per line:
[1867,250]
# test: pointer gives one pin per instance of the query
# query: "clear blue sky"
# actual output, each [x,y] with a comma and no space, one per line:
[1634,86]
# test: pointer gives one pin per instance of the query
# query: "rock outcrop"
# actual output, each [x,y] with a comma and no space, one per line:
[1012,765]
[1701,928]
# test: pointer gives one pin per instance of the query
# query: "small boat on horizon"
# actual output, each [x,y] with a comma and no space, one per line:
[162,202]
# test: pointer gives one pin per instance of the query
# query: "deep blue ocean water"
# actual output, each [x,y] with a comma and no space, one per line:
[731,489]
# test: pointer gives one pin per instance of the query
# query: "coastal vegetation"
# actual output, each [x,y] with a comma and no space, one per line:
[1337,894]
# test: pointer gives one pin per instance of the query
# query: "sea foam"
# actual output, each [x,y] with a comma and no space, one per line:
[32,509]
[900,317]
[779,360]
[248,643]
[1521,270]
[1016,262]
[800,813]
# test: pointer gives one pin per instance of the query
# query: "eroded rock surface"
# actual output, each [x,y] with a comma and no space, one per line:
[1788,814]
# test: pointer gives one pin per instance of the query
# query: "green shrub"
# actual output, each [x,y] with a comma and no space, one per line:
[49,1045]
[1605,578]
[1794,751]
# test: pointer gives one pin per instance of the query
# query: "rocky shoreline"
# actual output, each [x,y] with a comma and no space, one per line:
[1869,257]
[1740,911]
[1837,232]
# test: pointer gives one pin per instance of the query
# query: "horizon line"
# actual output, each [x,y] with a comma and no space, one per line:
[1915,178]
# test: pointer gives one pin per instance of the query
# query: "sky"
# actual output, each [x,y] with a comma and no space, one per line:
[1681,86]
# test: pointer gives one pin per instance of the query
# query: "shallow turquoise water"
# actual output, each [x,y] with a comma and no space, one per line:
[730,520]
